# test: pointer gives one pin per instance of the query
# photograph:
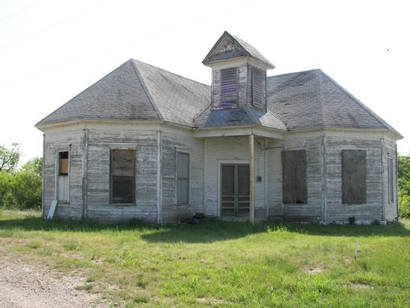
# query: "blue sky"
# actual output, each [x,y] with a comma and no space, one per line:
[52,50]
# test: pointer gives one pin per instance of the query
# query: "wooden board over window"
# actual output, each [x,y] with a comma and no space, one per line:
[294,176]
[122,176]
[354,176]
[182,178]
[63,163]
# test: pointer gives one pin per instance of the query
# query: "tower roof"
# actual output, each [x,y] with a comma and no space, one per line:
[229,46]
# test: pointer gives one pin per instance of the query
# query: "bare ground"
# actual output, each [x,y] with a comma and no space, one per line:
[23,285]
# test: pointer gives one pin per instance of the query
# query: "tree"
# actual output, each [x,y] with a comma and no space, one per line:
[34,165]
[404,185]
[9,158]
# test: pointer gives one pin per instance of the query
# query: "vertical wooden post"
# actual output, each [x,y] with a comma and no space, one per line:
[251,179]
[84,189]
[159,177]
[43,177]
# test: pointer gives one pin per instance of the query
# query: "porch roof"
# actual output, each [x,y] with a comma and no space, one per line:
[236,131]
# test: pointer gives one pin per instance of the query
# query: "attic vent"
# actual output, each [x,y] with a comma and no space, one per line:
[229,87]
[258,88]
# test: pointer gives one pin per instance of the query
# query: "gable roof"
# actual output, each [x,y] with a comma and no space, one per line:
[311,99]
[240,48]
[136,91]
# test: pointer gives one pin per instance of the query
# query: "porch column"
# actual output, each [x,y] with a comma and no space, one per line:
[251,179]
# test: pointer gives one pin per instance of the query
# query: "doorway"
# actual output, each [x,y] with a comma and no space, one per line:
[234,190]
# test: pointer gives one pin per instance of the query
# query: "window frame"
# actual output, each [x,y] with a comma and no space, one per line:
[57,173]
[345,200]
[111,178]
[303,190]
[390,179]
[254,71]
[188,178]
[225,105]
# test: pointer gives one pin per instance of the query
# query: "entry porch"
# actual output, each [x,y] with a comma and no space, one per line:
[242,172]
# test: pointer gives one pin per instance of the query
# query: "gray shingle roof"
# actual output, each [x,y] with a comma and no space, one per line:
[139,91]
[311,99]
[136,91]
[238,117]
[244,49]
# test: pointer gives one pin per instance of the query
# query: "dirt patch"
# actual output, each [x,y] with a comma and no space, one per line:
[314,270]
[360,286]
[23,285]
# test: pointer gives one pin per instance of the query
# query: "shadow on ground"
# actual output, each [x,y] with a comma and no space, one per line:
[208,231]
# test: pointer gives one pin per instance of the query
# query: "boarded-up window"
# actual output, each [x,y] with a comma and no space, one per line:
[258,88]
[63,163]
[294,176]
[390,178]
[354,176]
[182,178]
[63,192]
[122,176]
[229,87]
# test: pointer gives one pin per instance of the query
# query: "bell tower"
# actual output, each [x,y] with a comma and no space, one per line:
[238,74]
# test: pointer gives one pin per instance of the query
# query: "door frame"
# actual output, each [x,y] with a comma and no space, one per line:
[219,180]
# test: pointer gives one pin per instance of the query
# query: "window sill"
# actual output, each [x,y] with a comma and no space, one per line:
[122,204]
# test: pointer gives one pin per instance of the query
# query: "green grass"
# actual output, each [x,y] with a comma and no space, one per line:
[221,264]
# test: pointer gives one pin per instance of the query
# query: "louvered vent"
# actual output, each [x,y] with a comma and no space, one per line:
[258,88]
[229,87]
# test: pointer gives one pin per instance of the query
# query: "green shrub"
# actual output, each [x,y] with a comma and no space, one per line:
[21,189]
[404,204]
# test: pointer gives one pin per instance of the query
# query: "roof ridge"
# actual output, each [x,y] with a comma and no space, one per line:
[190,79]
[298,72]
[144,86]
[322,113]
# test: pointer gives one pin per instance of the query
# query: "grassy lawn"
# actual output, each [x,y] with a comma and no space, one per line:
[221,264]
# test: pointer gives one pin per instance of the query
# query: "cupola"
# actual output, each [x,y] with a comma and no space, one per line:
[238,74]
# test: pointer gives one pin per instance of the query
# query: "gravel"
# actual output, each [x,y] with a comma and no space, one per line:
[23,285]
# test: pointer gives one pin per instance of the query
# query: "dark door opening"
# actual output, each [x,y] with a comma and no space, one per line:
[234,190]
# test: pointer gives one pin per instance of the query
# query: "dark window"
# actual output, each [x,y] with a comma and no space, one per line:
[354,176]
[182,178]
[294,176]
[63,163]
[258,88]
[229,87]
[390,178]
[122,176]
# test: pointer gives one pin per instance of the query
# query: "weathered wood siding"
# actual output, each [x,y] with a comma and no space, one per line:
[68,139]
[323,163]
[311,211]
[103,139]
[174,140]
[232,149]
[373,207]
[389,151]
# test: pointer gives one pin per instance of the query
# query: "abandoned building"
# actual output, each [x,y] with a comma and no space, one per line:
[144,143]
